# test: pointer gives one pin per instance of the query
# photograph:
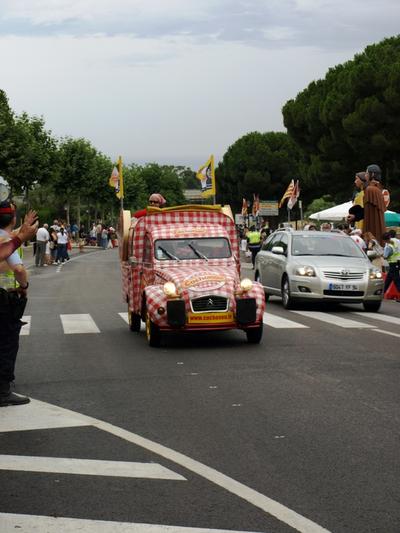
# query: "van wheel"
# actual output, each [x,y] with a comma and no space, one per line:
[134,321]
[373,307]
[254,335]
[287,300]
[153,333]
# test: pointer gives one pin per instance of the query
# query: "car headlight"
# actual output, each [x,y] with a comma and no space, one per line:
[305,271]
[246,284]
[170,289]
[375,273]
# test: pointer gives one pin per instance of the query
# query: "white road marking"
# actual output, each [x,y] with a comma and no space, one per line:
[268,505]
[87,467]
[387,332]
[382,317]
[38,415]
[83,323]
[10,523]
[25,330]
[334,320]
[279,322]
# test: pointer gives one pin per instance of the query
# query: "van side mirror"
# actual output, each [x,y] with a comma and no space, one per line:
[278,250]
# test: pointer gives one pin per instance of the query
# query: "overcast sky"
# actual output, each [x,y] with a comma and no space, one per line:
[173,81]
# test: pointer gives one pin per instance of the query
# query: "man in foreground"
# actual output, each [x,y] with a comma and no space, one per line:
[13,292]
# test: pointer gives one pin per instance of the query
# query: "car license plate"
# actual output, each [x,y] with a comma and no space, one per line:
[210,318]
[343,287]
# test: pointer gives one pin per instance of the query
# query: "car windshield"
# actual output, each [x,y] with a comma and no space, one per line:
[195,248]
[334,244]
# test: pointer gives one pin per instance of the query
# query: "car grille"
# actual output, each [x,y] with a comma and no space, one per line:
[343,274]
[209,303]
[343,293]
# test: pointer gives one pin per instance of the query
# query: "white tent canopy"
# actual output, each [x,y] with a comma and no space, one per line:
[337,212]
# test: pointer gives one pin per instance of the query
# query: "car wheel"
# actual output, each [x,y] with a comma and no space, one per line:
[287,300]
[134,321]
[257,278]
[373,307]
[254,335]
[153,333]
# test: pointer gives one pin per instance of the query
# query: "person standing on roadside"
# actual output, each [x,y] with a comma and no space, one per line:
[13,297]
[62,239]
[42,238]
[253,243]
[391,253]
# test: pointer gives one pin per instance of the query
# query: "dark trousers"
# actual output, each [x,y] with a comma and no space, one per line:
[393,275]
[254,249]
[9,344]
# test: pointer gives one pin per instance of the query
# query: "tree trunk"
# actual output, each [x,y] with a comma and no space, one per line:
[78,211]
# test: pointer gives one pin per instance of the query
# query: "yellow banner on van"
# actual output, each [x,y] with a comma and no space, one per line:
[210,318]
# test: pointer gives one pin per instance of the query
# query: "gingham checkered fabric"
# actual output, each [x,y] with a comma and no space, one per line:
[192,278]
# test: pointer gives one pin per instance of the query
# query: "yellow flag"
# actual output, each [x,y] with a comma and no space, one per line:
[206,174]
[116,180]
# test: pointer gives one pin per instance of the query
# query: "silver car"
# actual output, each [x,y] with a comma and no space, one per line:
[318,266]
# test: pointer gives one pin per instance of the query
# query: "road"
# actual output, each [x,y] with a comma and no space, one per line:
[299,433]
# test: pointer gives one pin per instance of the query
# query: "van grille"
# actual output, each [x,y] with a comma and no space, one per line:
[209,303]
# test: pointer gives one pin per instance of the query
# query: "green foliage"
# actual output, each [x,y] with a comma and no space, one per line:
[349,120]
[325,202]
[261,163]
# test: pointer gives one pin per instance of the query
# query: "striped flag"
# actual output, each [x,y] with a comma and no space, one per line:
[244,207]
[294,196]
[256,204]
[287,194]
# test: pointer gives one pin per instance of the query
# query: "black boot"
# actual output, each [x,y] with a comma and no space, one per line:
[10,398]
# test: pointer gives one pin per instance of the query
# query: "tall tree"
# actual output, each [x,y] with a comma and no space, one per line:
[261,163]
[350,119]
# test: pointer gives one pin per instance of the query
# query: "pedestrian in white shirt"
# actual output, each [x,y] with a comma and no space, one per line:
[42,238]
[62,239]
[356,236]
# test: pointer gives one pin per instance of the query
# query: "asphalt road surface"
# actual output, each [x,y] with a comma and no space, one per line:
[299,433]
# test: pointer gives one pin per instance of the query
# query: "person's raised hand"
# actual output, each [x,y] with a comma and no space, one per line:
[29,227]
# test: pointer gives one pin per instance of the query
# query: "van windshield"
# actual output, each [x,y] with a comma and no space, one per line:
[192,248]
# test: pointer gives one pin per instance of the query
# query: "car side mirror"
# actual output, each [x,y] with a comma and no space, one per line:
[133,261]
[278,250]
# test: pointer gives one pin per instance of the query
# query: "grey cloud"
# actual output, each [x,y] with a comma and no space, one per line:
[326,24]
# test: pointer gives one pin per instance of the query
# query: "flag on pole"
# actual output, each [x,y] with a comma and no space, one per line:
[294,196]
[256,204]
[287,193]
[206,174]
[244,207]
[116,179]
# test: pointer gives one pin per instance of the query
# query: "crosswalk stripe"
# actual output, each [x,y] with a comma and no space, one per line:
[87,467]
[379,316]
[81,323]
[23,523]
[279,322]
[26,329]
[334,320]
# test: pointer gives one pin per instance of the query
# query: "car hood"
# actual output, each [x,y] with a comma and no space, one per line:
[206,279]
[331,261]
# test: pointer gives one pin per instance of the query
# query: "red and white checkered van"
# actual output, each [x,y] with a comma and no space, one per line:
[181,272]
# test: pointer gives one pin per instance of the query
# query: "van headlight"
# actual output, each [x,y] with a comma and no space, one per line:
[305,271]
[170,289]
[375,273]
[246,284]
